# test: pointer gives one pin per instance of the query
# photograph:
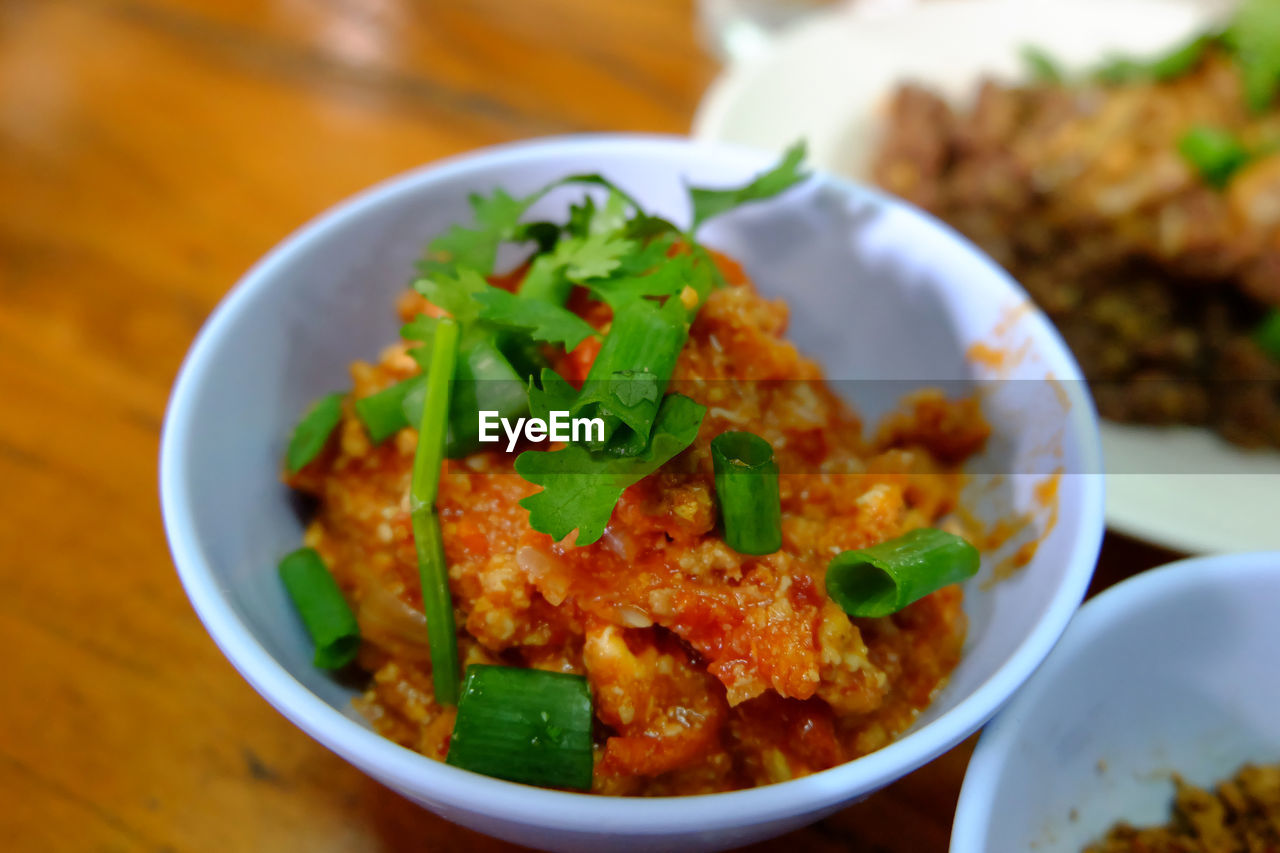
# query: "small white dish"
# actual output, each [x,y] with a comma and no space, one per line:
[877,292]
[827,80]
[1170,671]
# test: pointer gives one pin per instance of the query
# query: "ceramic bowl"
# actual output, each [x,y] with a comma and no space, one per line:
[1171,671]
[885,297]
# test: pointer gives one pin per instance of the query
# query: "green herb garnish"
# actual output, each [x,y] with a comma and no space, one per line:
[1042,67]
[1162,67]
[1215,153]
[580,488]
[747,491]
[1267,335]
[708,203]
[313,431]
[437,600]
[885,578]
[324,611]
[524,725]
[1253,36]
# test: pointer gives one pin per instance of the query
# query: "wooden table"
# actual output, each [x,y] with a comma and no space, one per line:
[150,150]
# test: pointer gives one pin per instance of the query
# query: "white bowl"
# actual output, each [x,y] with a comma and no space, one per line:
[1173,670]
[877,290]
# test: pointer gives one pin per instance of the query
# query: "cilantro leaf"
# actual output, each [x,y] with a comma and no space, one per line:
[580,489]
[454,292]
[497,219]
[421,328]
[708,203]
[544,321]
[593,256]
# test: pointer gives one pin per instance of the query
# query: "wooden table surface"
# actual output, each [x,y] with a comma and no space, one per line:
[150,151]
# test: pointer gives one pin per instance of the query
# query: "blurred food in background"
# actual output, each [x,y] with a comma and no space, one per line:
[740,29]
[1139,204]
[1241,813]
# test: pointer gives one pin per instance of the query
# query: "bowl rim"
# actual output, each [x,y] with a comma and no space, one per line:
[465,791]
[1146,589]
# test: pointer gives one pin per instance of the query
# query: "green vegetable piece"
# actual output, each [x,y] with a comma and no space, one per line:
[313,431]
[555,394]
[708,203]
[437,604]
[885,578]
[1267,335]
[524,725]
[1181,60]
[497,219]
[429,457]
[581,488]
[747,490]
[1215,153]
[383,413]
[484,381]
[454,294]
[1042,67]
[1254,37]
[324,610]
[634,365]
[544,321]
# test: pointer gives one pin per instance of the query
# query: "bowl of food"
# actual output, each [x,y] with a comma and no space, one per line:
[1110,156]
[659,519]
[1151,726]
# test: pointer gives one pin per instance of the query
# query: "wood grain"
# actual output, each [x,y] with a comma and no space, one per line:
[150,150]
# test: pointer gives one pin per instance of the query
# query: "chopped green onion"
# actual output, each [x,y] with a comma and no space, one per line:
[1267,335]
[747,489]
[1214,152]
[437,601]
[629,377]
[1043,67]
[524,725]
[383,413]
[885,578]
[484,381]
[313,431]
[324,610]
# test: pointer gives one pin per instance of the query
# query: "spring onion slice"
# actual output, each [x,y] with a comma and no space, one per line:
[747,489]
[1267,335]
[313,431]
[885,578]
[524,725]
[324,611]
[437,601]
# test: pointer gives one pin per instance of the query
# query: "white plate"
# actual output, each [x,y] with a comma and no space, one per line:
[827,81]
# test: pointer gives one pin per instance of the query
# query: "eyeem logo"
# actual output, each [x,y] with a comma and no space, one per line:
[559,427]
